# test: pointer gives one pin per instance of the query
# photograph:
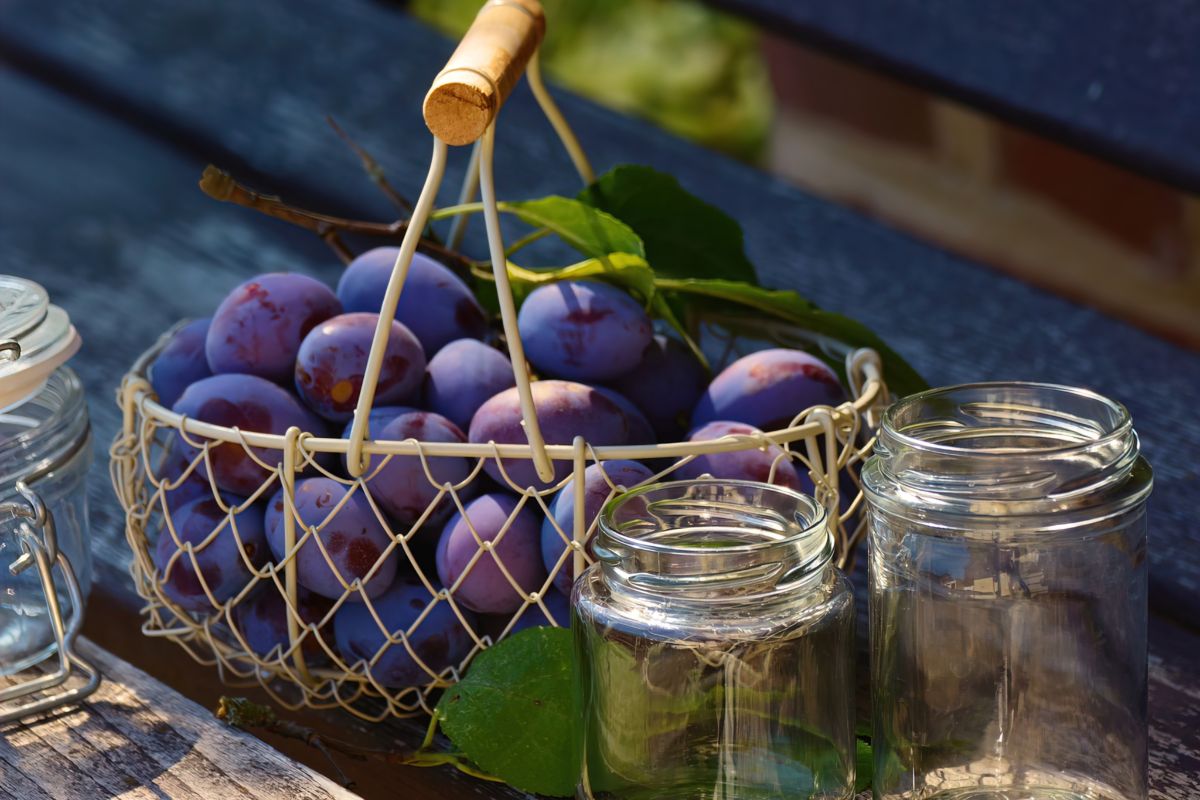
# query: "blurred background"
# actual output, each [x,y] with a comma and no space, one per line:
[1046,213]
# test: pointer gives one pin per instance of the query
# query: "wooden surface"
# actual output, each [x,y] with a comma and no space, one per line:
[111,110]
[138,739]
[1112,78]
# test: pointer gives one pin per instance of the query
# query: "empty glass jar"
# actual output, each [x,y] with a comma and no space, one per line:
[715,648]
[1008,596]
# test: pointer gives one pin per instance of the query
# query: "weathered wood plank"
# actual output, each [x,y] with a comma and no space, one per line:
[1109,78]
[137,738]
[239,92]
[1174,712]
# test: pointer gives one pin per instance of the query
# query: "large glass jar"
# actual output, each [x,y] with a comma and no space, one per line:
[45,447]
[1008,596]
[715,648]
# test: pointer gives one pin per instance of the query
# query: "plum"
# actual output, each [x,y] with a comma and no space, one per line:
[485,589]
[439,641]
[352,537]
[332,361]
[564,410]
[640,431]
[435,304]
[534,617]
[224,560]
[251,404]
[176,459]
[262,619]
[401,486]
[463,375]
[596,491]
[743,465]
[768,389]
[258,328]
[379,416]
[583,330]
[181,362]
[665,384]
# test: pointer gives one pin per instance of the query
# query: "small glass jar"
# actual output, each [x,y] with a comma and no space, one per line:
[1008,596]
[714,643]
[45,445]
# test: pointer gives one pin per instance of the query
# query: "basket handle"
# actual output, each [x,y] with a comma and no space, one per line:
[460,108]
[467,94]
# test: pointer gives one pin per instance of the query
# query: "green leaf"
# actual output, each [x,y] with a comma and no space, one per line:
[589,230]
[514,713]
[790,307]
[864,765]
[684,236]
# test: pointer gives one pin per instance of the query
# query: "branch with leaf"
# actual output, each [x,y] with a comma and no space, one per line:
[636,228]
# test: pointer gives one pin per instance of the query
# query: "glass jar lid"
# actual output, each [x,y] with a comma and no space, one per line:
[35,338]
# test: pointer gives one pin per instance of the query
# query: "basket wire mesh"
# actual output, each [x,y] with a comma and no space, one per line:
[822,442]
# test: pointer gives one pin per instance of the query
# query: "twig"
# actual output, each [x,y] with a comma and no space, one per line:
[220,185]
[373,169]
[247,715]
[338,246]
[241,713]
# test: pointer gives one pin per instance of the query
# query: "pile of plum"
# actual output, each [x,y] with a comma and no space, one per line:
[285,350]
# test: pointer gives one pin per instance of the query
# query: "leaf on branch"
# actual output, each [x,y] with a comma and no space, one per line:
[589,230]
[790,307]
[514,714]
[684,236]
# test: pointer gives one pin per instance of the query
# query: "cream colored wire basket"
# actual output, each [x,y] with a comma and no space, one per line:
[826,443]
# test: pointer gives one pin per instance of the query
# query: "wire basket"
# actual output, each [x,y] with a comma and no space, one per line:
[159,453]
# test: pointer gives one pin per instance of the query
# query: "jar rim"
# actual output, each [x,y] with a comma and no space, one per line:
[1120,428]
[816,521]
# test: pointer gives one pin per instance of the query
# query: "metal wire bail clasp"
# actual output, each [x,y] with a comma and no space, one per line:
[39,548]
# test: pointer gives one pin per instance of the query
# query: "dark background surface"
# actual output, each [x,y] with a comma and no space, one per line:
[110,112]
[1110,78]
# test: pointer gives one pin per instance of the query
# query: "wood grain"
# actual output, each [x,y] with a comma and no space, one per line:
[136,738]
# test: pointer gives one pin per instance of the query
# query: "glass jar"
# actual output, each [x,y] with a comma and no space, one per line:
[714,645]
[1008,596]
[45,445]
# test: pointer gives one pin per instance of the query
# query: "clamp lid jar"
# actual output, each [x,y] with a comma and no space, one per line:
[45,451]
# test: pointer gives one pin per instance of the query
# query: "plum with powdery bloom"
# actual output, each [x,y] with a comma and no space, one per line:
[353,539]
[258,327]
[435,304]
[250,404]
[767,389]
[583,330]
[564,410]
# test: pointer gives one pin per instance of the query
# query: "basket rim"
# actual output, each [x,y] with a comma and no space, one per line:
[136,394]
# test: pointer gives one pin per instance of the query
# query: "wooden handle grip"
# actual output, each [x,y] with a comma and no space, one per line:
[467,94]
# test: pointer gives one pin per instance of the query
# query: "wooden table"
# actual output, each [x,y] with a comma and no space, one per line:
[111,110]
[138,739]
